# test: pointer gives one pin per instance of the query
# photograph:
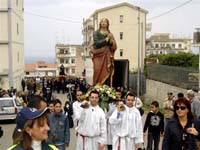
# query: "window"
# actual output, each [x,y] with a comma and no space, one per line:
[67,51]
[16,2]
[168,46]
[185,48]
[121,18]
[173,45]
[179,45]
[67,70]
[67,61]
[17,29]
[73,61]
[61,51]
[27,73]
[62,61]
[162,45]
[157,46]
[121,53]
[73,70]
[73,51]
[121,35]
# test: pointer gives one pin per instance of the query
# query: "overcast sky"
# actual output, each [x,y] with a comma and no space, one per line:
[41,34]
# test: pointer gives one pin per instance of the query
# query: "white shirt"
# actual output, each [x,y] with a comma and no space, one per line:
[92,123]
[36,145]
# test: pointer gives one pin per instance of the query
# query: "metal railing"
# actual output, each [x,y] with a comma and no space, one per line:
[181,77]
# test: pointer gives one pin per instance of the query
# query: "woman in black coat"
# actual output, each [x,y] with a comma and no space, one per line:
[183,129]
[68,110]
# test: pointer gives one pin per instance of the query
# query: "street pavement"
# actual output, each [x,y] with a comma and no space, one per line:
[8,128]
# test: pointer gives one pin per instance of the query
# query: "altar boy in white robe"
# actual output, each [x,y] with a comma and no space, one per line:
[92,125]
[127,124]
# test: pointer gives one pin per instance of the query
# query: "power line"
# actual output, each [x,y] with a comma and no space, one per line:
[169,11]
[52,18]
[72,21]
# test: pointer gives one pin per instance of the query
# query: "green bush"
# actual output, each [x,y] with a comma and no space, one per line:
[187,60]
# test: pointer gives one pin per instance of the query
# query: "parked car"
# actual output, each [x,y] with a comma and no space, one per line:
[9,108]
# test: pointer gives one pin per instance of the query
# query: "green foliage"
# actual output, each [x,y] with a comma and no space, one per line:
[187,60]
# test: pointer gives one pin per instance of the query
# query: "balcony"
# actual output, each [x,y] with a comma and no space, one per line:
[87,29]
[67,65]
[64,55]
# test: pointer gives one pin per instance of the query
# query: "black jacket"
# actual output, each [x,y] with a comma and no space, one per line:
[154,123]
[174,135]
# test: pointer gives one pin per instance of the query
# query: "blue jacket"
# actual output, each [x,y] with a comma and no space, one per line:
[45,146]
[59,133]
[173,135]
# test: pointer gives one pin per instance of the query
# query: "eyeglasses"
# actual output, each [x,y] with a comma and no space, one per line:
[180,107]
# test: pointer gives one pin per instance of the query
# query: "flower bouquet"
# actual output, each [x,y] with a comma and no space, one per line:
[106,95]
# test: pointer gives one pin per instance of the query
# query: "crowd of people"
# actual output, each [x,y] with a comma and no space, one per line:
[45,124]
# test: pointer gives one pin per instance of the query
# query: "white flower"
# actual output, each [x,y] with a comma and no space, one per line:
[108,92]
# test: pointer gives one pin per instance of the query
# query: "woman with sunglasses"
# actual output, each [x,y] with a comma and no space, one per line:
[182,129]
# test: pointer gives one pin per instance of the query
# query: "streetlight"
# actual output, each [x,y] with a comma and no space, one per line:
[138,69]
[196,41]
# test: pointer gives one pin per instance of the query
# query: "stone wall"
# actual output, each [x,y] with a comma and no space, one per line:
[158,91]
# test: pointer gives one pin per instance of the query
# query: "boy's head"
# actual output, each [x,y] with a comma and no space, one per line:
[154,106]
[51,106]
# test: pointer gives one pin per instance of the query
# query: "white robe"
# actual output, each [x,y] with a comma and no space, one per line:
[76,112]
[91,129]
[112,108]
[127,127]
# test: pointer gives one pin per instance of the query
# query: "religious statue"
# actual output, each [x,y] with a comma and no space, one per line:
[103,49]
[62,70]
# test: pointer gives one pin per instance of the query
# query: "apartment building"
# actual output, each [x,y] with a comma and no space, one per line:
[11,43]
[163,43]
[71,57]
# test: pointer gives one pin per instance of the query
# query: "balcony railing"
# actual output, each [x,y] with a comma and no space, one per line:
[65,55]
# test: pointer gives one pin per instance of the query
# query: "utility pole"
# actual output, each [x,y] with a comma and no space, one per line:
[196,41]
[138,69]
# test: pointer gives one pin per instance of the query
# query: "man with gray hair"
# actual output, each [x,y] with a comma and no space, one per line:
[195,103]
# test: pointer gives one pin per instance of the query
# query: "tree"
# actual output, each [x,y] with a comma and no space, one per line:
[187,60]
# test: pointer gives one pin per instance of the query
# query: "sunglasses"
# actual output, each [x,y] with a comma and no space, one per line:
[180,107]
